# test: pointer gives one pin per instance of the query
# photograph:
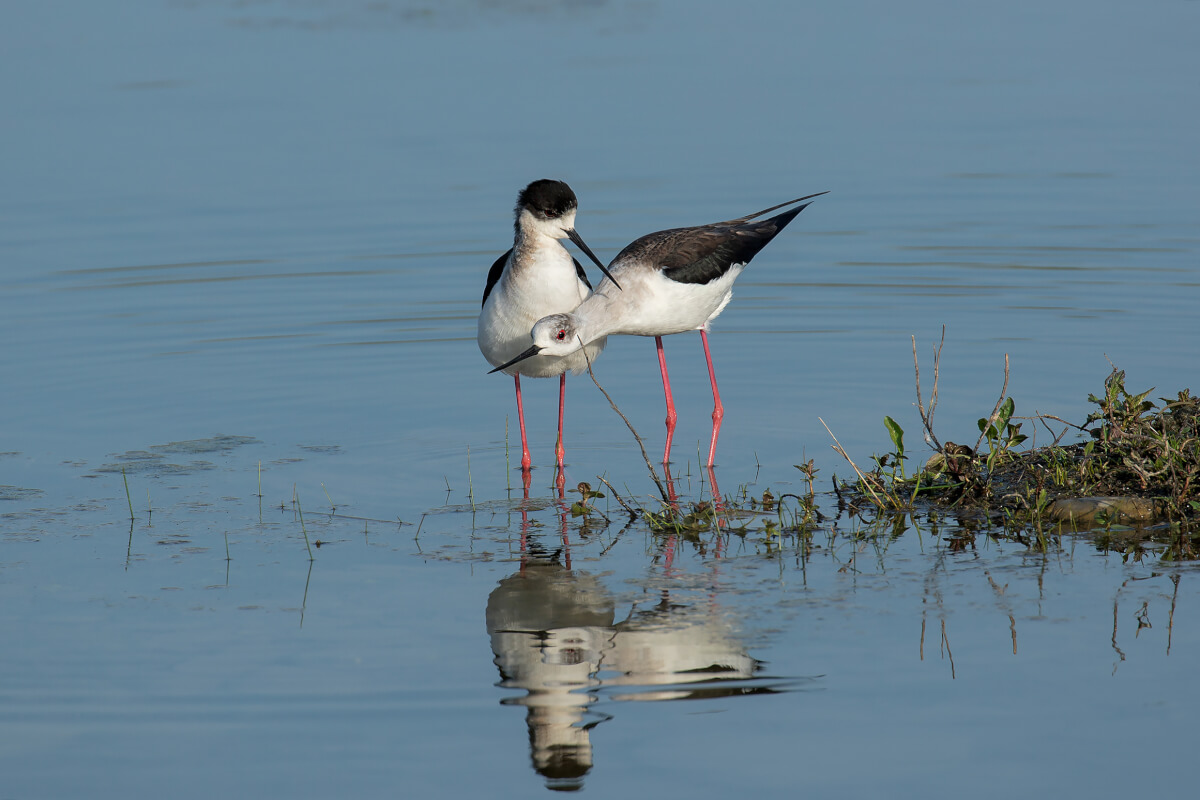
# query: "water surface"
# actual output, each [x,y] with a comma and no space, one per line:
[243,251]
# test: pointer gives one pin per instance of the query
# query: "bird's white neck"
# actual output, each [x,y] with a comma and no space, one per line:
[598,315]
[534,246]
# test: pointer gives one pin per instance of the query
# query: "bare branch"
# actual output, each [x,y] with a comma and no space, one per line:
[837,446]
[632,512]
[653,474]
[927,414]
[995,411]
[1057,436]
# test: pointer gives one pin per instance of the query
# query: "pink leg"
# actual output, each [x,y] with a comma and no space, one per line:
[671,494]
[718,409]
[560,479]
[562,398]
[718,503]
[671,415]
[526,461]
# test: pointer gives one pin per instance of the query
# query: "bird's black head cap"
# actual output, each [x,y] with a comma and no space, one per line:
[547,199]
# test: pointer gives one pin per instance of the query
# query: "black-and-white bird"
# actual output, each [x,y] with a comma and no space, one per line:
[671,281]
[537,277]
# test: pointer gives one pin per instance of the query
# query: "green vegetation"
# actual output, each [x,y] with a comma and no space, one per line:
[1131,480]
[1133,476]
[1138,450]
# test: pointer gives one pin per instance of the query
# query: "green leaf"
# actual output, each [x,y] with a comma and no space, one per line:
[897,434]
[1006,412]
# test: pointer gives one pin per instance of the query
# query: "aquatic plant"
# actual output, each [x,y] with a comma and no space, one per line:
[1138,464]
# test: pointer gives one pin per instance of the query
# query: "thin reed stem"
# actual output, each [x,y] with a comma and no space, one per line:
[470,480]
[304,530]
[128,497]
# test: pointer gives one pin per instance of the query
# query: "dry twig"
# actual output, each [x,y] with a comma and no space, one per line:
[837,446]
[632,512]
[995,411]
[653,474]
[927,414]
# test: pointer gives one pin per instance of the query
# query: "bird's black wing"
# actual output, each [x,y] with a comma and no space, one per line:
[496,271]
[581,274]
[701,255]
[708,258]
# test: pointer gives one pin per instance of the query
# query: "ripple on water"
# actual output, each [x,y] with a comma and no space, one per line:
[154,460]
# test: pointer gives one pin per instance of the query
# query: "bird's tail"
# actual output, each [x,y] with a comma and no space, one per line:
[757,214]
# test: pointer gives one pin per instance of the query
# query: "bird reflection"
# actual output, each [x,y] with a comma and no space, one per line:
[549,628]
[554,635]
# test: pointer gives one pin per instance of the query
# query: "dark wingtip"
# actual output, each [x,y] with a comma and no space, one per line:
[757,214]
[781,220]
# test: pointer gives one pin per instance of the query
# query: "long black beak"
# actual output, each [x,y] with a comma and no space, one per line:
[530,353]
[578,240]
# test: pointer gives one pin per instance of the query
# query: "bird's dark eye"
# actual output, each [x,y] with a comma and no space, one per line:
[561,335]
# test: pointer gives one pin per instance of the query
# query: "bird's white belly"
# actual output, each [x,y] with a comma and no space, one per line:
[659,306]
[507,318]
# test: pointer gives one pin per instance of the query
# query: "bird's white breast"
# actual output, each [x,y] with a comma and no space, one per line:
[536,282]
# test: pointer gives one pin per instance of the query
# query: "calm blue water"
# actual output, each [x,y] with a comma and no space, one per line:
[244,244]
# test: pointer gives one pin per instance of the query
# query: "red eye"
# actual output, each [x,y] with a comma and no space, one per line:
[562,334]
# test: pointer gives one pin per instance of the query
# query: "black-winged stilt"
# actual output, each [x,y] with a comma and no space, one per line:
[671,281]
[535,278]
